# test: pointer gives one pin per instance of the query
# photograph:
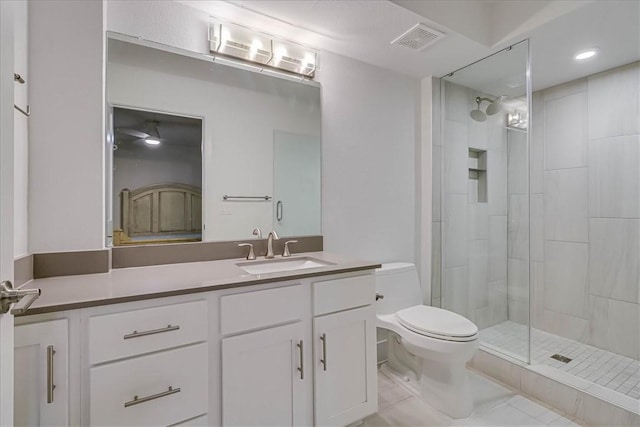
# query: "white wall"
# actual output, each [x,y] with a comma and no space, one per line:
[368,145]
[369,134]
[66,184]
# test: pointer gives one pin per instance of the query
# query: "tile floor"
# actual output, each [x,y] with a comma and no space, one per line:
[495,405]
[601,367]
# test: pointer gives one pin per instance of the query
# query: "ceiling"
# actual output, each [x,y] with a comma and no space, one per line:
[363,30]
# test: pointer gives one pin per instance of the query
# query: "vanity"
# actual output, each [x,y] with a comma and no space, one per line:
[202,343]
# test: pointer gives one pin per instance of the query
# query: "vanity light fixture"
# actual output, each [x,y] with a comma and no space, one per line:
[586,54]
[259,49]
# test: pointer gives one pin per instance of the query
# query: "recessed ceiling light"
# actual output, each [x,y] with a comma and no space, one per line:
[152,141]
[586,54]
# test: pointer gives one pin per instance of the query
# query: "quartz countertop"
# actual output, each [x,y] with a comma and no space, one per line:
[139,283]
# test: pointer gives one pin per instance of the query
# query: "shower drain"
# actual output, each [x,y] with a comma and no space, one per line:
[561,358]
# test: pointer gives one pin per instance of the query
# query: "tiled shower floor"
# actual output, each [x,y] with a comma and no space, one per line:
[610,370]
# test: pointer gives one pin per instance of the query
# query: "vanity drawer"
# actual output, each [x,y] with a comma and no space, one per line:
[115,385]
[342,294]
[261,309]
[130,333]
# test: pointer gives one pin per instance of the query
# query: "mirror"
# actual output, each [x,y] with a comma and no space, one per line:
[258,138]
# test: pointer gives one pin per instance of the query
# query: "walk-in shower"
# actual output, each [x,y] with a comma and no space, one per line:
[537,219]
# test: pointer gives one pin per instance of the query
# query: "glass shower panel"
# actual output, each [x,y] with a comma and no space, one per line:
[484,197]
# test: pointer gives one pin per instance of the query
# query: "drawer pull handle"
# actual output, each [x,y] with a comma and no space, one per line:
[50,385]
[137,400]
[323,338]
[136,334]
[301,368]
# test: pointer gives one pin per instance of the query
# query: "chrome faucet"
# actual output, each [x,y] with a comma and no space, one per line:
[272,235]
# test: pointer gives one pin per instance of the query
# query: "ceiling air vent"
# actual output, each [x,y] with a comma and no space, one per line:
[419,37]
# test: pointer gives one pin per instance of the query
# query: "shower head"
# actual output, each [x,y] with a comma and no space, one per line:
[494,107]
[478,115]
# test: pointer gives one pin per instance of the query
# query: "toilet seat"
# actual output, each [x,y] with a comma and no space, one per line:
[437,323]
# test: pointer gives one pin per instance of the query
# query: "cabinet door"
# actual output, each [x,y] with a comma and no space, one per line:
[41,383]
[264,378]
[345,366]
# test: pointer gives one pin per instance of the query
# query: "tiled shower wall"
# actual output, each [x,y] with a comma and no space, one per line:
[472,234]
[585,210]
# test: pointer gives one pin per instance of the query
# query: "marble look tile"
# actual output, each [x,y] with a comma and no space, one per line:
[614,102]
[614,326]
[537,293]
[565,89]
[454,230]
[496,133]
[518,230]
[478,133]
[565,132]
[478,221]
[487,394]
[498,368]
[537,227]
[518,280]
[498,302]
[597,412]
[564,398]
[436,259]
[391,395]
[497,247]
[517,162]
[537,144]
[614,177]
[436,185]
[456,154]
[456,99]
[575,328]
[455,290]
[614,258]
[502,415]
[410,412]
[519,313]
[527,406]
[565,277]
[497,182]
[478,273]
[565,205]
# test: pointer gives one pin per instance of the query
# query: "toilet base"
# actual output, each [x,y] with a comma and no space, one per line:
[442,385]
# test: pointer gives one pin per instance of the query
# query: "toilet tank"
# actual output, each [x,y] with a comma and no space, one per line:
[399,284]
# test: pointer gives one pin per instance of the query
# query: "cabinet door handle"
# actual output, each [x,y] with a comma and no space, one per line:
[50,385]
[136,334]
[137,400]
[323,338]
[301,351]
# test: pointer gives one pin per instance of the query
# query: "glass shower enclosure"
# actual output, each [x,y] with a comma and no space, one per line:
[482,256]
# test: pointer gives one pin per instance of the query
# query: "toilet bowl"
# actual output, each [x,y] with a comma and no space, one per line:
[428,347]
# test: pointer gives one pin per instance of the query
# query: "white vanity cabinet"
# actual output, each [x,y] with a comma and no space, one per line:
[266,369]
[345,350]
[41,379]
[148,366]
[288,353]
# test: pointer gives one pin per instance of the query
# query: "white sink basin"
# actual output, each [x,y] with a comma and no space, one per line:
[278,265]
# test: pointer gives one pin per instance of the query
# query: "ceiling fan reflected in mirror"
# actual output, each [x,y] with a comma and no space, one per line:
[149,134]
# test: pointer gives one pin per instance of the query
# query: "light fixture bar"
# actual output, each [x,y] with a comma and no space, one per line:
[241,43]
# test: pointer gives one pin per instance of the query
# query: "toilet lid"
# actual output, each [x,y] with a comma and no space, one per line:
[437,323]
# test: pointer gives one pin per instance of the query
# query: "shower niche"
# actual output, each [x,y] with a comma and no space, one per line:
[478,175]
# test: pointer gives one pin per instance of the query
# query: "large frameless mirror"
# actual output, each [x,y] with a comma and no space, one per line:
[236,150]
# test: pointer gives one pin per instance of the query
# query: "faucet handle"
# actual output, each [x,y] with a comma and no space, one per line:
[286,252]
[257,232]
[251,255]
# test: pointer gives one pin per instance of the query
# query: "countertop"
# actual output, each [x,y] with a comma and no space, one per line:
[139,283]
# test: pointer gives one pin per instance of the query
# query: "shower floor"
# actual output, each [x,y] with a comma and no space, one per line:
[601,367]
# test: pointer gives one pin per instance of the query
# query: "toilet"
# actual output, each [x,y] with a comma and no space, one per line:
[428,347]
